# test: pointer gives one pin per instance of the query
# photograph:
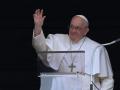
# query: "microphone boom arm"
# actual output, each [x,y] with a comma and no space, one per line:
[112,42]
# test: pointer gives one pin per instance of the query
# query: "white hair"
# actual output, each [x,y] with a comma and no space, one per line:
[84,18]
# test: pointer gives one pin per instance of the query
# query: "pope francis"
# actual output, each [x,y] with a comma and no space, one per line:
[95,60]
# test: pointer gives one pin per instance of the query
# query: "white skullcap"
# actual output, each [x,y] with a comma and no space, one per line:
[83,17]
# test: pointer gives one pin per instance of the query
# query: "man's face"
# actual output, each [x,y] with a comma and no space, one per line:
[77,29]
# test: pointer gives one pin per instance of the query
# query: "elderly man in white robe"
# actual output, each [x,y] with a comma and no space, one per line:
[96,60]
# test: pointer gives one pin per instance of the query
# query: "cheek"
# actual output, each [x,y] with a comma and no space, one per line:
[82,33]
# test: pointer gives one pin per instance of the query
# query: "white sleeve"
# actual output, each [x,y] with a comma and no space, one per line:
[39,44]
[106,73]
[107,83]
[102,63]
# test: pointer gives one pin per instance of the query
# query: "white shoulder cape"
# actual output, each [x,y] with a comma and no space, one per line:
[96,56]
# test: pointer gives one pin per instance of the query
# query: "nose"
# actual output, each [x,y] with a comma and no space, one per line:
[73,30]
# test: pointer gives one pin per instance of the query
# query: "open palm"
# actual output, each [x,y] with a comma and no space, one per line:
[38,17]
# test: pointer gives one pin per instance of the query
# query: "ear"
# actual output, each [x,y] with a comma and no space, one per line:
[86,31]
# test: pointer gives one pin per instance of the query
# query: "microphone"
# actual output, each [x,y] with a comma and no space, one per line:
[112,42]
[117,40]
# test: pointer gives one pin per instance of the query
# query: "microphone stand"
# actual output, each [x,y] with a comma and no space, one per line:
[91,83]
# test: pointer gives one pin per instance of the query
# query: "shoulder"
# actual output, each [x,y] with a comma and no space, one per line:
[91,47]
[93,44]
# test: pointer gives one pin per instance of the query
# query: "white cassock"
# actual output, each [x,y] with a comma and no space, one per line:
[96,62]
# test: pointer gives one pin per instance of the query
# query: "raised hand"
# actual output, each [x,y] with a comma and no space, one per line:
[38,18]
[38,21]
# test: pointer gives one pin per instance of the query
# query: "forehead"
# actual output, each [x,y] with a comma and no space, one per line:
[76,20]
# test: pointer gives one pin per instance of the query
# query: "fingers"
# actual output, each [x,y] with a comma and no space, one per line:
[39,12]
[44,17]
[38,17]
[34,15]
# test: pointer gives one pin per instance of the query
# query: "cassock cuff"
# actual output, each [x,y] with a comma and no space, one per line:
[40,36]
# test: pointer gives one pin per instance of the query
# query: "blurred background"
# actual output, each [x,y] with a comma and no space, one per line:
[18,62]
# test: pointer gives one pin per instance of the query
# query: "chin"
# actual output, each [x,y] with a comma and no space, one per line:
[74,39]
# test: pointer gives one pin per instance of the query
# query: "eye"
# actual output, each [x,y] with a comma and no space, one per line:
[77,28]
